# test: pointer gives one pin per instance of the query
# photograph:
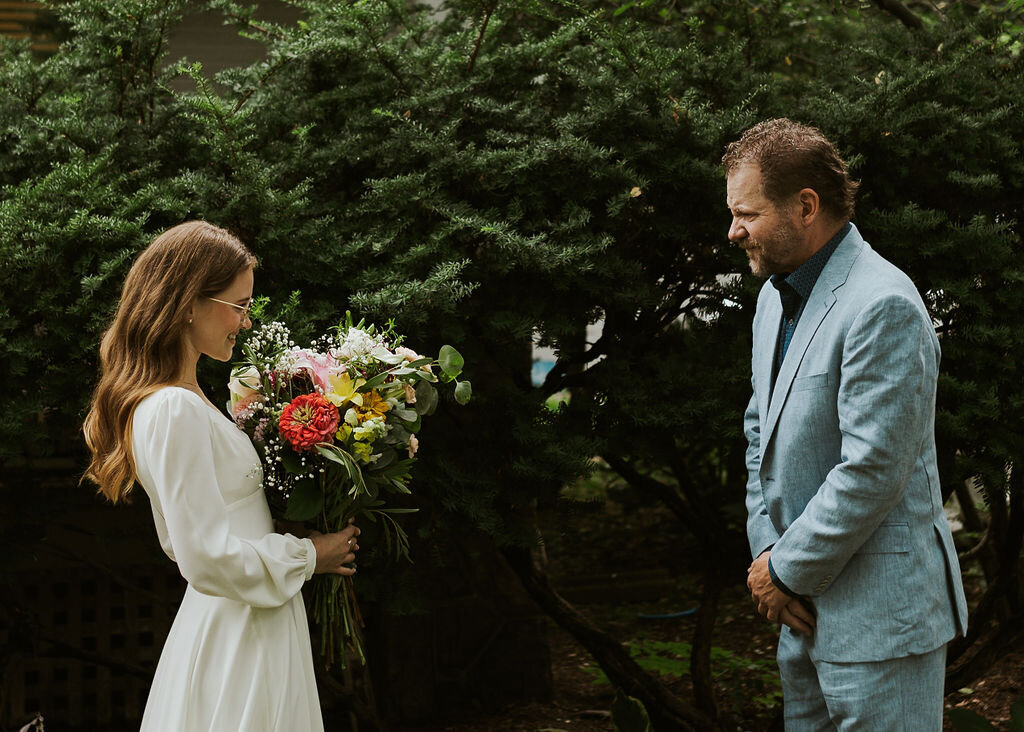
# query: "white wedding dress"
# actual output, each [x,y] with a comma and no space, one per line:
[238,655]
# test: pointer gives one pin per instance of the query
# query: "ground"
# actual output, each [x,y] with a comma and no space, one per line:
[992,695]
[605,582]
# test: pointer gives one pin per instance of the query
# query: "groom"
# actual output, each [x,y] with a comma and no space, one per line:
[852,553]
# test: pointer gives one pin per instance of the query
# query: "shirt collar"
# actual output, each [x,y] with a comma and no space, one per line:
[806,275]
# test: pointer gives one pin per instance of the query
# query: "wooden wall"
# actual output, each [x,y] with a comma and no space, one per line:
[20,19]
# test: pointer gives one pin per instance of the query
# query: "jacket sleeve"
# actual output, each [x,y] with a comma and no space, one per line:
[886,398]
[175,446]
[761,531]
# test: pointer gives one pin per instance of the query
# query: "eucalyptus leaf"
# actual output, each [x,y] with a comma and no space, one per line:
[451,361]
[426,398]
[398,435]
[463,392]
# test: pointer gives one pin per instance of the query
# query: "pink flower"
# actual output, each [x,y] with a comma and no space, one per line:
[319,366]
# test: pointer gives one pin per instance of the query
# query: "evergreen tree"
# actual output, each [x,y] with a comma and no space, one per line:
[509,172]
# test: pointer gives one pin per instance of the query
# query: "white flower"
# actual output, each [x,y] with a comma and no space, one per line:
[408,354]
[384,355]
[244,386]
[356,343]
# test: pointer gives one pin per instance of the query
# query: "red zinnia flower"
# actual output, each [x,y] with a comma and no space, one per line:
[309,419]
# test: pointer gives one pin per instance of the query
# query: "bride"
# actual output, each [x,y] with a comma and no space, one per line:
[238,655]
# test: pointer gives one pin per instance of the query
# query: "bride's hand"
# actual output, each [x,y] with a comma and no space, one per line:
[334,551]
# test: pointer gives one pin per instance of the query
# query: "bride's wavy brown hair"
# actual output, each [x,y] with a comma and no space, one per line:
[144,347]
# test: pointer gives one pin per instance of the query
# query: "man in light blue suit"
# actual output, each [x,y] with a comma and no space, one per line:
[852,552]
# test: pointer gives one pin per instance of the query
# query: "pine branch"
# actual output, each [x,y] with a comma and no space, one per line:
[244,99]
[480,37]
[975,551]
[902,12]
[384,60]
[664,493]
[243,18]
[154,57]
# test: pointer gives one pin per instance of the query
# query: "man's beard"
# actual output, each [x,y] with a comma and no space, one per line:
[772,250]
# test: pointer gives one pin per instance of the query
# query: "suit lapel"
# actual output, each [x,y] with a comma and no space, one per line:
[765,345]
[823,298]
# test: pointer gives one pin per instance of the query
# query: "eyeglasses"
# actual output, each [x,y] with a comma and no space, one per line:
[244,308]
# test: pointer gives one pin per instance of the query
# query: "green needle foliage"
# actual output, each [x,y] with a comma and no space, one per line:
[510,172]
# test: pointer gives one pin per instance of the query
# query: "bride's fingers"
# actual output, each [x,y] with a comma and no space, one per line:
[333,551]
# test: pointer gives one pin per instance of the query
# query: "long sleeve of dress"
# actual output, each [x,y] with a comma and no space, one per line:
[174,438]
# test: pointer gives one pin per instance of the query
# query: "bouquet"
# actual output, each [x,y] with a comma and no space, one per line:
[336,427]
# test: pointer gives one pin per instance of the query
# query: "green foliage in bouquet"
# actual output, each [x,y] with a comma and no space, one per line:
[336,427]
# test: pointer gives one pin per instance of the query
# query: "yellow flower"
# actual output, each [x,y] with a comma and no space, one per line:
[343,432]
[344,389]
[372,406]
[362,451]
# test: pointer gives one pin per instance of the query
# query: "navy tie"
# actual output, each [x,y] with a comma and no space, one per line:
[790,305]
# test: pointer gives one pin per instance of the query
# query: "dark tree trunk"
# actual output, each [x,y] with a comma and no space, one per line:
[667,711]
[997,625]
[700,658]
[902,12]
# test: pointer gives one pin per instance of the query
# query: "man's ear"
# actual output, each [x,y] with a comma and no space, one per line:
[809,205]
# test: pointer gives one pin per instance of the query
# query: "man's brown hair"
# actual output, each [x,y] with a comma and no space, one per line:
[792,157]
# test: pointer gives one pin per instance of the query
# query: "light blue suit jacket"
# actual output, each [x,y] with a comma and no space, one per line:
[843,483]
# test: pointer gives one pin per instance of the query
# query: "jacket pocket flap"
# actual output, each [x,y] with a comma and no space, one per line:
[888,539]
[815,381]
